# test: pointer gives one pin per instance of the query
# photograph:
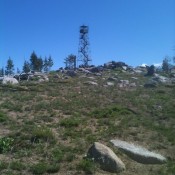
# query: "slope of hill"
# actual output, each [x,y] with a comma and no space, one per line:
[48,127]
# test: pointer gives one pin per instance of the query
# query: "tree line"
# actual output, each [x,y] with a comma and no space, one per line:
[166,66]
[35,63]
[39,64]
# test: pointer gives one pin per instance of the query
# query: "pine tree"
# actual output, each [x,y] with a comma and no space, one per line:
[50,62]
[2,72]
[10,67]
[18,71]
[36,63]
[47,64]
[70,62]
[150,70]
[26,67]
[165,64]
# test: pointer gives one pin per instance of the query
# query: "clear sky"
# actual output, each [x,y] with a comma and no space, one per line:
[132,31]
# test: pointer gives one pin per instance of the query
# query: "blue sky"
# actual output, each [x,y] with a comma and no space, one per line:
[132,31]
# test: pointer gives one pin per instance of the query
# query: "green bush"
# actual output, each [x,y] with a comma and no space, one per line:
[70,122]
[53,168]
[57,155]
[110,112]
[16,165]
[6,144]
[87,165]
[39,168]
[3,165]
[42,134]
[3,117]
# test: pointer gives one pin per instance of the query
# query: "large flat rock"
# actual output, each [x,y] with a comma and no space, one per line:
[138,153]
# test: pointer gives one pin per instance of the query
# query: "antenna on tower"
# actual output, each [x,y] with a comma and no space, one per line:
[83,51]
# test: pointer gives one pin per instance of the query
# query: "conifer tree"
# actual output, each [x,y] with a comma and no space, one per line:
[10,67]
[48,63]
[70,62]
[2,71]
[165,64]
[26,67]
[36,63]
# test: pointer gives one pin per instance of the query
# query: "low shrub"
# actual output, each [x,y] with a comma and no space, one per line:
[6,144]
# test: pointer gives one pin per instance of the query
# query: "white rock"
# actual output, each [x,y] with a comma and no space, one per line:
[9,80]
[107,159]
[124,67]
[92,78]
[134,78]
[41,80]
[132,85]
[91,83]
[110,83]
[138,153]
[124,82]
[161,79]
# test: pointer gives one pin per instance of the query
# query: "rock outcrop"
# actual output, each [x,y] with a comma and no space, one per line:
[107,159]
[138,153]
[9,80]
[161,79]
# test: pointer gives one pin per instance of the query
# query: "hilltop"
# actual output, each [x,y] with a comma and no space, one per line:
[47,127]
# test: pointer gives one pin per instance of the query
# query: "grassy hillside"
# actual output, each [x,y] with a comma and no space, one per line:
[47,128]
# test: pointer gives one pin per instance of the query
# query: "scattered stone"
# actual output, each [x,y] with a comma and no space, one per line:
[92,78]
[65,77]
[161,79]
[134,78]
[138,71]
[41,80]
[107,159]
[110,83]
[113,65]
[138,153]
[9,80]
[94,70]
[91,83]
[124,68]
[124,82]
[98,74]
[120,85]
[132,85]
[71,73]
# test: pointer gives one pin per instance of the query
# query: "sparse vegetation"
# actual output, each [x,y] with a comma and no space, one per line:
[6,144]
[48,127]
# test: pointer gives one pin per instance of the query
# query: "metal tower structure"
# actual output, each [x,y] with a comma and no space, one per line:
[83,51]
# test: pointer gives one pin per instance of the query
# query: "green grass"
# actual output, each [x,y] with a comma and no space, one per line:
[87,165]
[3,117]
[3,165]
[42,134]
[52,124]
[39,168]
[16,165]
[70,122]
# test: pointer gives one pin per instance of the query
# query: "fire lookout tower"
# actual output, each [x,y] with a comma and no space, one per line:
[83,51]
